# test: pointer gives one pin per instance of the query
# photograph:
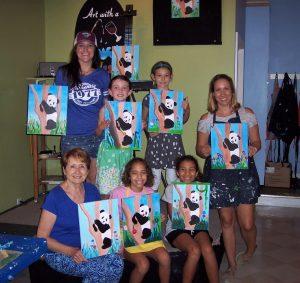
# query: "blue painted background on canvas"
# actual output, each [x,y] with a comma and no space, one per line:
[33,122]
[106,58]
[88,243]
[180,203]
[218,160]
[129,229]
[116,135]
[156,107]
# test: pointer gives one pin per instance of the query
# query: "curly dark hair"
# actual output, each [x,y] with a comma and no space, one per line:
[126,174]
[191,158]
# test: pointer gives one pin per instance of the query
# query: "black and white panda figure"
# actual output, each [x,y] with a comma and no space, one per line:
[126,62]
[167,109]
[188,4]
[102,225]
[142,217]
[124,124]
[192,204]
[49,106]
[232,144]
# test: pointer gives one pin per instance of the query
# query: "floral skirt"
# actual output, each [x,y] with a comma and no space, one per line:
[110,166]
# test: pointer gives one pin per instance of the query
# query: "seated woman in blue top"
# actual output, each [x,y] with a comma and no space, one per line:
[59,224]
[88,84]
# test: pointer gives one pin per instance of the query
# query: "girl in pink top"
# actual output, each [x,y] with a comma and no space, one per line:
[138,179]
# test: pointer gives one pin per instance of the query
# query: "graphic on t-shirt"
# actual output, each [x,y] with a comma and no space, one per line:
[47,109]
[190,206]
[99,225]
[7,256]
[141,220]
[185,8]
[125,61]
[229,146]
[125,130]
[85,94]
[165,111]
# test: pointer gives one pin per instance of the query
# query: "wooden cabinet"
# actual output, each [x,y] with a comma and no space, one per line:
[40,176]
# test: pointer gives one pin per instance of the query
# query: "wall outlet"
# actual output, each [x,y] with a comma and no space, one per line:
[19,201]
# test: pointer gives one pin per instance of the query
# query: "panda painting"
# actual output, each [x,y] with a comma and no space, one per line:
[49,106]
[124,124]
[192,204]
[102,225]
[232,144]
[127,62]
[142,217]
[188,5]
[167,109]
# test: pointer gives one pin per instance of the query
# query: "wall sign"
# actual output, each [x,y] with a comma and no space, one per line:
[105,19]
[179,22]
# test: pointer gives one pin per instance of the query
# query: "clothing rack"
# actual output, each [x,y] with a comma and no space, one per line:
[281,76]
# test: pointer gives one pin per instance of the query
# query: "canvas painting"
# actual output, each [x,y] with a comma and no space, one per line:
[125,130]
[185,8]
[7,256]
[47,109]
[99,225]
[141,220]
[229,146]
[190,206]
[125,61]
[105,57]
[165,111]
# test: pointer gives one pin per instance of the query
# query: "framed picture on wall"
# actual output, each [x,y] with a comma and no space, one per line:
[187,22]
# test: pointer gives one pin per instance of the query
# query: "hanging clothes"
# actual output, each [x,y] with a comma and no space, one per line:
[284,117]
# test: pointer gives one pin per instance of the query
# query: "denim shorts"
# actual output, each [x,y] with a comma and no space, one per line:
[88,143]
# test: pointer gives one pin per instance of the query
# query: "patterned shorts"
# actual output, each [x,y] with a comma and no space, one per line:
[88,143]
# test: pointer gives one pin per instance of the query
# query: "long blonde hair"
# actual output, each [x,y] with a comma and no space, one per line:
[212,105]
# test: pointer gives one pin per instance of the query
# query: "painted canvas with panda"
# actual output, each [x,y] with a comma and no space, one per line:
[229,146]
[185,8]
[141,219]
[125,129]
[125,61]
[190,206]
[47,109]
[165,111]
[99,224]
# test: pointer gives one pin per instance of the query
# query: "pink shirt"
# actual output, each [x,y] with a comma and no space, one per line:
[124,192]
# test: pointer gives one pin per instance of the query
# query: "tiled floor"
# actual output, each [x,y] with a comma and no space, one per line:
[276,260]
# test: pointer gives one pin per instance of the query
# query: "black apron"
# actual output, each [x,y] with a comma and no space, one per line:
[231,187]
